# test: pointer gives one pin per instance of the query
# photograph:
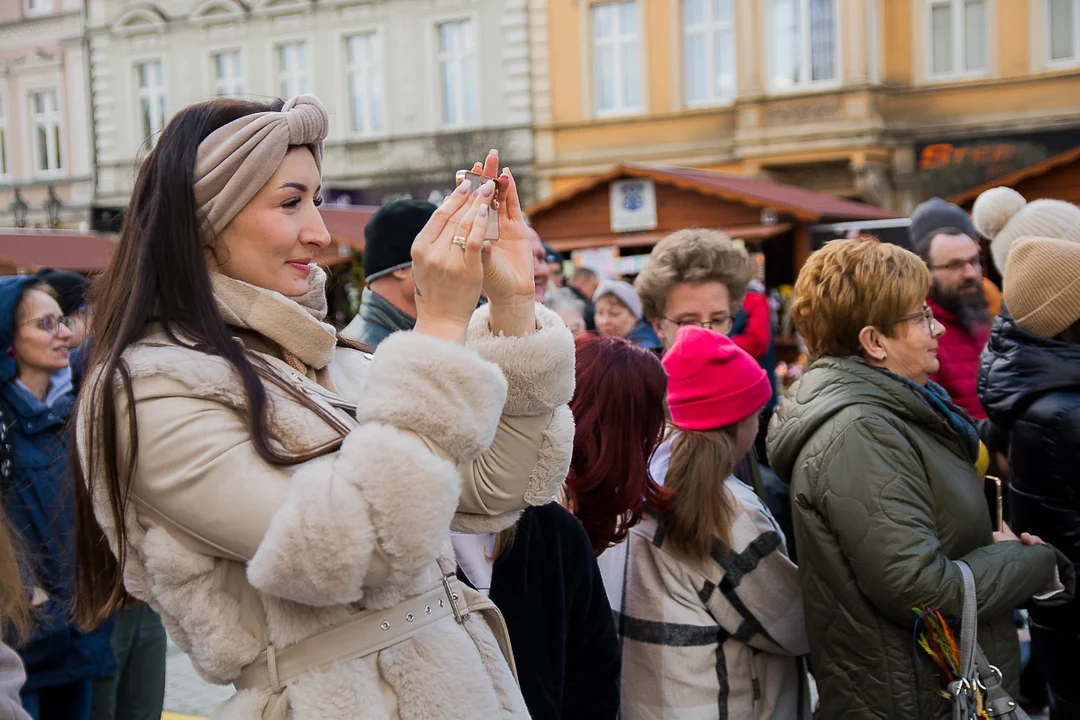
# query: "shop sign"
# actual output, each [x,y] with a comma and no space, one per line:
[633,205]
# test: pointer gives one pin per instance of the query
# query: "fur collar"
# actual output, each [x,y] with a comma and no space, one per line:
[277,318]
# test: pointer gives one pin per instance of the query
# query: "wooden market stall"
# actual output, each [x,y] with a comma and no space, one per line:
[633,206]
[627,210]
[1056,177]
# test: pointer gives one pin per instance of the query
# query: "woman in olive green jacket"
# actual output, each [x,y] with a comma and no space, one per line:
[885,492]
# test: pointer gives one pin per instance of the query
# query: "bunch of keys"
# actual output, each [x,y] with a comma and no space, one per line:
[492,232]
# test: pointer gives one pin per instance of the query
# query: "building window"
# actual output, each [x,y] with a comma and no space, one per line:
[364,70]
[37,7]
[709,51]
[3,139]
[228,73]
[805,42]
[292,60]
[617,81]
[958,36]
[46,127]
[1063,31]
[457,73]
[150,93]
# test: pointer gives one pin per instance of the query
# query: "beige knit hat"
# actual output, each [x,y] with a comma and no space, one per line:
[1042,285]
[1003,215]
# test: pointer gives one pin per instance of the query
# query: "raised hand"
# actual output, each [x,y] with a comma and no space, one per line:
[448,269]
[508,261]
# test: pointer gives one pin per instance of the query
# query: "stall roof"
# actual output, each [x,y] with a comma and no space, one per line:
[62,249]
[29,249]
[1015,178]
[803,204]
[748,232]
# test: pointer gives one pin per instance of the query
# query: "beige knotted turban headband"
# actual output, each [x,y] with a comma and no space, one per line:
[236,160]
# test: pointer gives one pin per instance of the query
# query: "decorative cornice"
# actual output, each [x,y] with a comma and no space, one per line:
[213,12]
[140,19]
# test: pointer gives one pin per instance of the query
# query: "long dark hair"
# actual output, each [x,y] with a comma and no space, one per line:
[618,408]
[158,274]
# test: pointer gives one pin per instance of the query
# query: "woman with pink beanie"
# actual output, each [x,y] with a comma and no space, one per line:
[709,606]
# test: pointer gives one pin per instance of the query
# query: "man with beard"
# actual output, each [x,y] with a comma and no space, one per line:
[947,241]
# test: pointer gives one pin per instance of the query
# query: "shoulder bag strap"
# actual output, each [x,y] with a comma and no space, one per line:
[963,689]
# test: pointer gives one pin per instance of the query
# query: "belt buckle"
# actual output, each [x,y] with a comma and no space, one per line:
[453,597]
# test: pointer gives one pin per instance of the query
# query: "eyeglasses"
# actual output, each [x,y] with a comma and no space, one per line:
[926,315]
[717,324]
[51,323]
[959,265]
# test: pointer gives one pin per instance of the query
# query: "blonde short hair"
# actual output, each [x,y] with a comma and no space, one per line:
[692,256]
[852,284]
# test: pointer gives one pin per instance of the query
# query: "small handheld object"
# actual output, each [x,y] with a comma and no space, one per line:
[994,501]
[492,232]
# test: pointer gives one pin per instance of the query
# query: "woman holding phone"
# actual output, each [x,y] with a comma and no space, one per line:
[283,499]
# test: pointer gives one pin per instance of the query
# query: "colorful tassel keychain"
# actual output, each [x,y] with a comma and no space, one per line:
[937,640]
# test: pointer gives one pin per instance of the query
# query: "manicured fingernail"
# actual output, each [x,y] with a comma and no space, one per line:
[483,211]
[463,188]
[493,150]
[506,171]
[487,188]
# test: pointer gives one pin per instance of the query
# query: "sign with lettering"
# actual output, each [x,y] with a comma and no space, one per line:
[633,205]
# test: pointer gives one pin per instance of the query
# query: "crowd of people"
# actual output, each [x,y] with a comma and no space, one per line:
[508,490]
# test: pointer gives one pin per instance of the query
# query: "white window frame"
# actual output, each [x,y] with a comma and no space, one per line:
[233,86]
[53,122]
[301,77]
[373,122]
[5,130]
[616,41]
[709,29]
[959,40]
[36,8]
[461,119]
[1072,60]
[806,83]
[155,99]
[873,43]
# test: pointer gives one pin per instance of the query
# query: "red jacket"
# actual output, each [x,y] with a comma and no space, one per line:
[757,336]
[958,353]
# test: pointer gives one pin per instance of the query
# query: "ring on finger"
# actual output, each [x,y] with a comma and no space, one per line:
[460,241]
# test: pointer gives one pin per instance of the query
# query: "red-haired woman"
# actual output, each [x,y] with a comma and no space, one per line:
[618,409]
[710,613]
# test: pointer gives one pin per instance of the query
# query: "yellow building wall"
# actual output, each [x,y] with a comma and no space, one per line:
[763,131]
[1011,38]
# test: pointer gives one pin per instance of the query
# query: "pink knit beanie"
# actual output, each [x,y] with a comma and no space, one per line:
[712,382]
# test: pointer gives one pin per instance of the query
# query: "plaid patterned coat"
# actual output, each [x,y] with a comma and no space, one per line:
[711,640]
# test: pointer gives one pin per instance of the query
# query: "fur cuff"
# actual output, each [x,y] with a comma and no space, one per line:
[553,460]
[539,367]
[437,389]
[411,492]
[318,546]
[384,486]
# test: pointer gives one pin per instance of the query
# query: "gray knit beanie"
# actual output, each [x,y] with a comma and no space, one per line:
[1003,215]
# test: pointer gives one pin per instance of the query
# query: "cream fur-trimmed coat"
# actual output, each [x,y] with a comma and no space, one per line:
[235,553]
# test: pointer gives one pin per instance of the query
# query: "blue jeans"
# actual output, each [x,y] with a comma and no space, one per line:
[64,702]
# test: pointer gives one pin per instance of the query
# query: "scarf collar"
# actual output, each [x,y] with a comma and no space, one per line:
[937,399]
[281,320]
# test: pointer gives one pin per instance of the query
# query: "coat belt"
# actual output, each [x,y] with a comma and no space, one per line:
[367,633]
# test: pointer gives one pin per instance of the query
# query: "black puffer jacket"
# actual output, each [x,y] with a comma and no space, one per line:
[1030,387]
